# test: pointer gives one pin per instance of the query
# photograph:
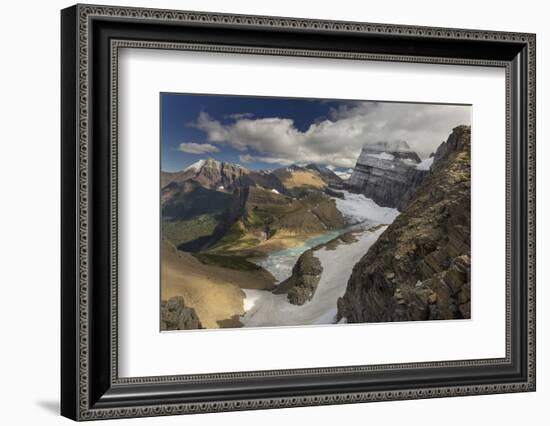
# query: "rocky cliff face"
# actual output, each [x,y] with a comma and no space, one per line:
[174,315]
[388,173]
[221,176]
[419,269]
[301,285]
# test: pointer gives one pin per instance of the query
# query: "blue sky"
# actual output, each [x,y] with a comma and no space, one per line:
[179,115]
[269,132]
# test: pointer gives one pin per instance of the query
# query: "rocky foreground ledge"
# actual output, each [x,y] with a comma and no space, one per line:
[419,268]
[174,315]
[301,285]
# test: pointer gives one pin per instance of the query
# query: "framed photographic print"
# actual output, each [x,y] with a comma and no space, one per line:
[263,212]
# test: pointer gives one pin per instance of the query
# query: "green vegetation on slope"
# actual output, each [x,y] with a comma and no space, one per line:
[258,215]
[235,239]
[188,200]
[234,234]
[227,261]
[183,231]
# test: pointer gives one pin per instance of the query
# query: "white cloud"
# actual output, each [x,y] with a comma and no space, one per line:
[247,158]
[197,148]
[338,139]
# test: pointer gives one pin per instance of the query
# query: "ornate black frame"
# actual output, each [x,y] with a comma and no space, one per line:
[91,37]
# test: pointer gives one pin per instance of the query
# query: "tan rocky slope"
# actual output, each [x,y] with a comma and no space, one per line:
[419,269]
[212,296]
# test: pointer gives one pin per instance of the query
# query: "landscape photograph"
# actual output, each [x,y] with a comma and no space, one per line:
[300,212]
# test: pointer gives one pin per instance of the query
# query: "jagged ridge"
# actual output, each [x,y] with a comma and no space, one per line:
[419,268]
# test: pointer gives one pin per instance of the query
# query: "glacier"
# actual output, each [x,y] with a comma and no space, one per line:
[265,309]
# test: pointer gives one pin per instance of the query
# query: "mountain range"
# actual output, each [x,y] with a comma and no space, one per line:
[222,206]
[212,204]
[223,176]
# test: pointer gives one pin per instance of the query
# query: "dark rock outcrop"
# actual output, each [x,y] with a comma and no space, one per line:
[419,268]
[300,287]
[333,193]
[388,174]
[174,315]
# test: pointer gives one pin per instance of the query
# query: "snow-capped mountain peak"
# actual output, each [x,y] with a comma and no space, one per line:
[196,166]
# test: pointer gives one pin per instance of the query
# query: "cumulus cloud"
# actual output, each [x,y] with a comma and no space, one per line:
[247,158]
[338,139]
[197,148]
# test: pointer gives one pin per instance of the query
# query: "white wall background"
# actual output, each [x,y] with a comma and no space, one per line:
[29,214]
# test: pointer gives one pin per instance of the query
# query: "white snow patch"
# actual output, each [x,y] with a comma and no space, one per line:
[425,164]
[196,166]
[343,175]
[382,156]
[357,208]
[263,308]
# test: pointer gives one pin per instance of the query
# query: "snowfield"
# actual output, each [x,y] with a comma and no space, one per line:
[425,164]
[382,156]
[264,308]
[344,175]
[357,208]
